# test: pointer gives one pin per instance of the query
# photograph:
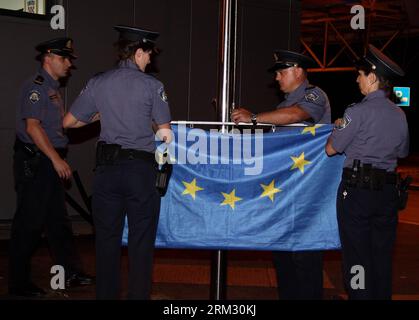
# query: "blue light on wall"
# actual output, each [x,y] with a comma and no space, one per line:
[403,95]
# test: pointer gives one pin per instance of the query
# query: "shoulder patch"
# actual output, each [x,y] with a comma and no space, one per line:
[34,96]
[39,79]
[311,96]
[346,120]
[162,94]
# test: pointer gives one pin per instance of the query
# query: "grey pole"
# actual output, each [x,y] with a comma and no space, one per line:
[225,101]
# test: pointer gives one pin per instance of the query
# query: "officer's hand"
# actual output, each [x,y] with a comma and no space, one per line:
[62,168]
[241,115]
[96,117]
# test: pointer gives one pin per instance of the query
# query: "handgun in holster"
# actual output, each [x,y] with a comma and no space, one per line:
[403,187]
[106,154]
[31,159]
[163,174]
[353,180]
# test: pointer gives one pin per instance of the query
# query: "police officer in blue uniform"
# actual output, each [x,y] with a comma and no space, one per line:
[299,273]
[372,134]
[129,102]
[39,168]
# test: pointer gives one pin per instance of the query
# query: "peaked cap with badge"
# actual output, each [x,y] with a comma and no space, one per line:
[380,64]
[136,34]
[59,46]
[285,59]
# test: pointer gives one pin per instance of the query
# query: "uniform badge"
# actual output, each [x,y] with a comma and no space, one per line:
[34,96]
[311,97]
[163,94]
[346,120]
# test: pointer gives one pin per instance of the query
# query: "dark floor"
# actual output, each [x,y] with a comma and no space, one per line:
[185,274]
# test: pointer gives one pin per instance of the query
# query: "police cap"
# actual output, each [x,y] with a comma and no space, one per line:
[59,46]
[136,34]
[380,63]
[285,59]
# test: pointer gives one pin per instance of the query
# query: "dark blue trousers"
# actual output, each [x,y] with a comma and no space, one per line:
[40,208]
[299,274]
[367,227]
[126,188]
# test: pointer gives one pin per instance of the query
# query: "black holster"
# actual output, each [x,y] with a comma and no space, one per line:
[163,175]
[31,158]
[403,187]
[106,154]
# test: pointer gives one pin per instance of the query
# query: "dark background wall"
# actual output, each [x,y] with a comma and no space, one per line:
[187,63]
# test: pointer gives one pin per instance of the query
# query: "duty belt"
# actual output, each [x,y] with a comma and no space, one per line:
[368,177]
[32,149]
[109,154]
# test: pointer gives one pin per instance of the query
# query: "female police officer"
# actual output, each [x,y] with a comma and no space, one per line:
[128,101]
[372,134]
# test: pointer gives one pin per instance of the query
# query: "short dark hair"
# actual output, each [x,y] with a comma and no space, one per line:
[126,49]
[41,57]
[384,83]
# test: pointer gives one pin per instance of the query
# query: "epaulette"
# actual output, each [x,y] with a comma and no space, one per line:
[309,87]
[351,105]
[39,79]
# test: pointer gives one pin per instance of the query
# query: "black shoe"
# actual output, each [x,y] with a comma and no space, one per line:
[78,279]
[29,291]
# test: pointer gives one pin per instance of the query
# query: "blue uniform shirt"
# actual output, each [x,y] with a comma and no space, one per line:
[374,131]
[40,99]
[312,100]
[128,100]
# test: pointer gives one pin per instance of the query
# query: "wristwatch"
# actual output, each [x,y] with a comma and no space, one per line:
[254,119]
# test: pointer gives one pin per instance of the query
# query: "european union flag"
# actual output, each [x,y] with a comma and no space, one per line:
[272,191]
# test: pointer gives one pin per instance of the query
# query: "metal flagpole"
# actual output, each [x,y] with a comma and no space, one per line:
[225,100]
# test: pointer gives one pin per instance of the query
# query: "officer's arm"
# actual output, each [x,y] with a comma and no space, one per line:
[40,138]
[70,121]
[282,116]
[329,148]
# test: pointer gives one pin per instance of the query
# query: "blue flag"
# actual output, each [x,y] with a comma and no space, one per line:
[272,191]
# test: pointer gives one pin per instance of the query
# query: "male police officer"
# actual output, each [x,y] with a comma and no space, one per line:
[128,101]
[372,134]
[299,273]
[39,166]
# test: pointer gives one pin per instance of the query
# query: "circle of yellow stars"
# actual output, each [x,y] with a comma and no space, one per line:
[269,190]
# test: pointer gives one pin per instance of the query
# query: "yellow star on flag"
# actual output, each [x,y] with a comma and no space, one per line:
[299,162]
[311,129]
[269,190]
[230,199]
[191,188]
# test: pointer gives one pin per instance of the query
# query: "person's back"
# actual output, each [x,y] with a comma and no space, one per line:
[125,103]
[129,103]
